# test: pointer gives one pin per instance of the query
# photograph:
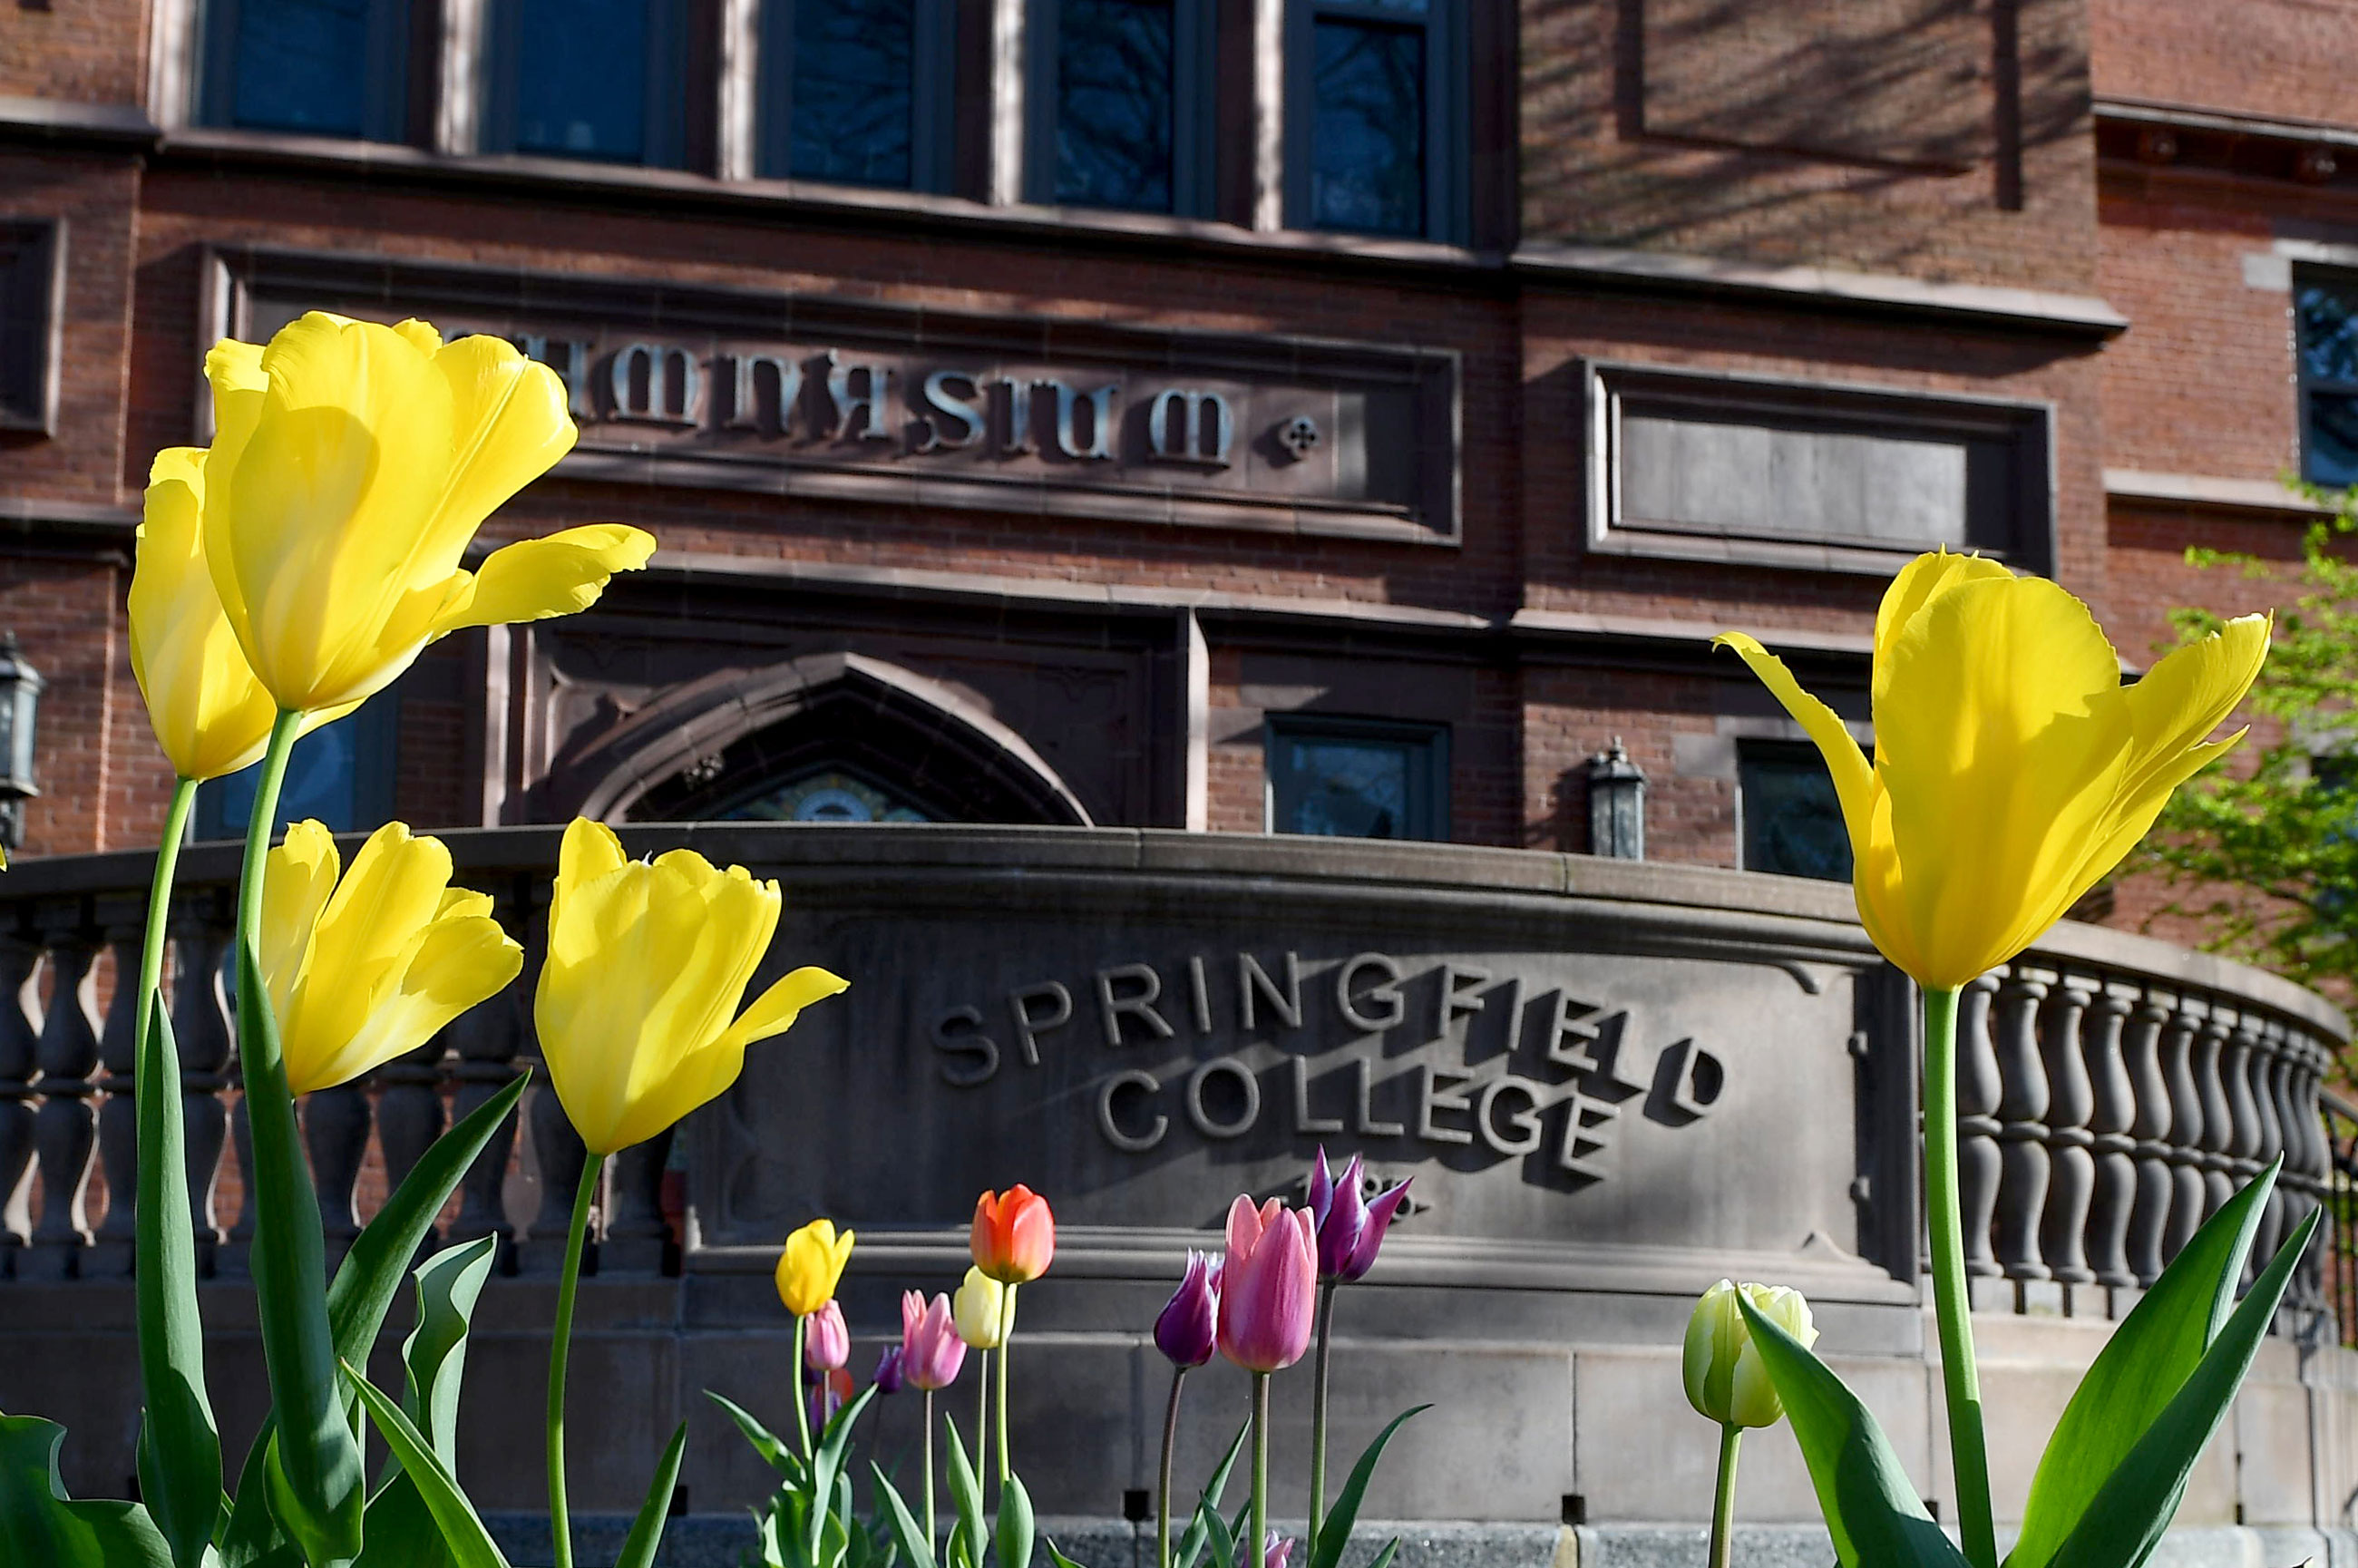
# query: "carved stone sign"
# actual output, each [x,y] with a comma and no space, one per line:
[712,388]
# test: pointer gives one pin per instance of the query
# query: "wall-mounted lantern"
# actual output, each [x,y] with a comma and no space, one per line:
[20,702]
[1616,804]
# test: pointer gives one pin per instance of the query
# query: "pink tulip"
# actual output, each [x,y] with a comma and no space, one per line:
[1269,1285]
[1275,1548]
[827,1343]
[931,1350]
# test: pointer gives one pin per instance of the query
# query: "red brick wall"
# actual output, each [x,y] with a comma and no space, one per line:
[79,51]
[2281,59]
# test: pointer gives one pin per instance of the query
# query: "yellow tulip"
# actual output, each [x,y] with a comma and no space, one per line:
[980,1310]
[366,968]
[811,1266]
[351,467]
[2012,769]
[210,714]
[1726,1381]
[646,964]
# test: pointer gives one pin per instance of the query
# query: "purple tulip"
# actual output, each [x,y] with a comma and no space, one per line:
[1275,1550]
[1188,1329]
[827,1342]
[931,1350]
[889,1378]
[1350,1228]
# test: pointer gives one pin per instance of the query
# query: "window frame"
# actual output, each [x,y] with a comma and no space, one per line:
[1447,101]
[376,732]
[1432,736]
[933,98]
[1753,750]
[668,91]
[1195,108]
[385,94]
[2346,283]
[33,283]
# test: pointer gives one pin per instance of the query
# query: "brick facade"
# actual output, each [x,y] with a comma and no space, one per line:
[1917,197]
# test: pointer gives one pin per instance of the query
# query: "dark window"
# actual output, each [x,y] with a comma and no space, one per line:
[340,775]
[830,795]
[2326,309]
[313,68]
[857,91]
[591,78]
[1374,106]
[1352,778]
[1792,821]
[32,280]
[1123,108]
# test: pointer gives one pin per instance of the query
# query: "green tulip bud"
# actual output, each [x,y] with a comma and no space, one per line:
[1725,1380]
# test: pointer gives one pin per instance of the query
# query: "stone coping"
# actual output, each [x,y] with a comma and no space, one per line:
[1814,914]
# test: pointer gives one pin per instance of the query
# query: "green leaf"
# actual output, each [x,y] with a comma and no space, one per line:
[767,1443]
[1384,1559]
[2123,1522]
[2138,1372]
[318,1461]
[1058,1558]
[381,1256]
[906,1528]
[646,1530]
[434,1357]
[40,1524]
[250,1537]
[1218,1536]
[965,1498]
[1015,1525]
[180,1447]
[399,1531]
[1335,1533]
[1870,1506]
[1193,1539]
[827,1466]
[462,1530]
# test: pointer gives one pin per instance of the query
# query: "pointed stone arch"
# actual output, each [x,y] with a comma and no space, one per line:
[714,743]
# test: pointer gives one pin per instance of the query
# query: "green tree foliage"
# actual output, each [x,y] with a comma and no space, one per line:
[2264,850]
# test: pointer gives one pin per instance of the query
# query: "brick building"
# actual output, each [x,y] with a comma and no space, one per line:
[1330,415]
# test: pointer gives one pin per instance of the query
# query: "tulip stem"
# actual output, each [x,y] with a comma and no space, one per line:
[1960,1383]
[1162,1487]
[1006,1349]
[982,1410]
[560,1524]
[1723,1500]
[930,1543]
[1318,1412]
[802,1396]
[1261,1468]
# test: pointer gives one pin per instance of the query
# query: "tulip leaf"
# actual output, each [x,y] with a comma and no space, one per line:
[1015,1525]
[1058,1558]
[399,1530]
[827,1463]
[767,1443]
[965,1497]
[1335,1531]
[2123,1522]
[1192,1543]
[646,1530]
[251,1538]
[180,1447]
[434,1357]
[40,1523]
[2140,1369]
[470,1544]
[1384,1559]
[906,1528]
[1219,1538]
[320,1489]
[382,1255]
[1871,1508]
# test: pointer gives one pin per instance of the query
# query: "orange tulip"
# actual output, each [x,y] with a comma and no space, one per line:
[1014,1235]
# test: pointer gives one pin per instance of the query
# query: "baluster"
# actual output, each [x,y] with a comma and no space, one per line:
[235,1255]
[116,1241]
[2071,1100]
[2023,1165]
[2185,1112]
[2150,1222]
[63,1127]
[488,1039]
[336,1130]
[19,1039]
[409,1107]
[2217,1113]
[201,934]
[2314,1059]
[560,1154]
[2264,1059]
[638,1239]
[1977,1127]
[2112,1108]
